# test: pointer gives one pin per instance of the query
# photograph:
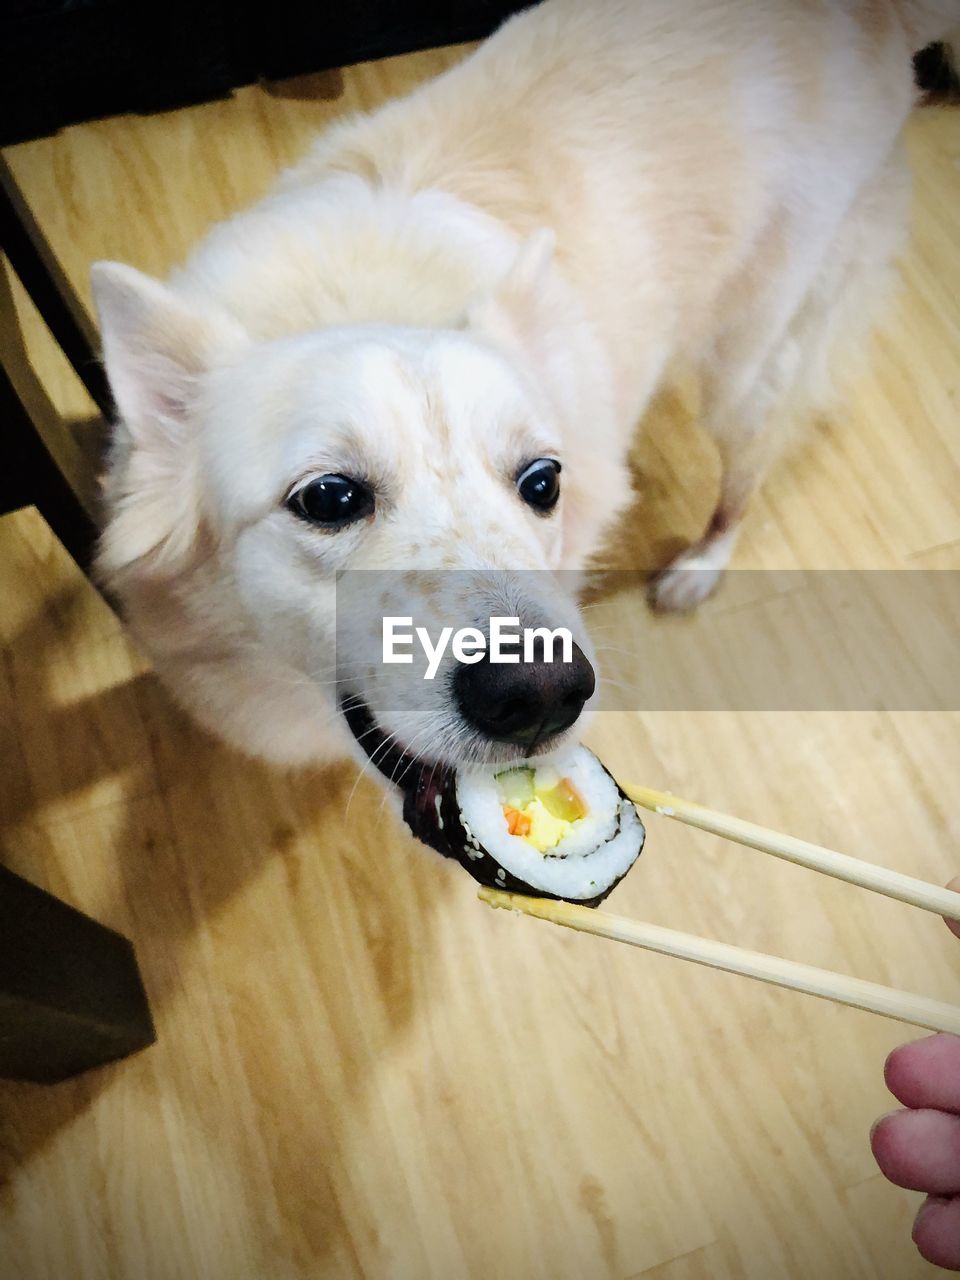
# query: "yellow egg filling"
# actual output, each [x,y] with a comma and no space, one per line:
[539,807]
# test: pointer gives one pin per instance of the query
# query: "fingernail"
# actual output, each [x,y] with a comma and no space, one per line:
[880,1119]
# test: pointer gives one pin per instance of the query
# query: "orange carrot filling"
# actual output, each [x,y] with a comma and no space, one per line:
[518,824]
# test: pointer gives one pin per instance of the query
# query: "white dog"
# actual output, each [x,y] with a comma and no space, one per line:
[387,362]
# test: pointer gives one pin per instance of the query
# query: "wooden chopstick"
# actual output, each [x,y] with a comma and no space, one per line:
[918,893]
[889,1003]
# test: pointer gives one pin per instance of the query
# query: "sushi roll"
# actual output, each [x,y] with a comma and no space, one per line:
[561,829]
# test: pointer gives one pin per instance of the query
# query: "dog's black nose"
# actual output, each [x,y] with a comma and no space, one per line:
[524,702]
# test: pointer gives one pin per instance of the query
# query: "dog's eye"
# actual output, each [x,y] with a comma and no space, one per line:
[539,484]
[331,501]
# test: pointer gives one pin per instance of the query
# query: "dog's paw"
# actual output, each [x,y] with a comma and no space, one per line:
[686,581]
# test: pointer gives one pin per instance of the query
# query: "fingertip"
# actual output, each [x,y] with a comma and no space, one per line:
[936,1231]
[903,1071]
[953,925]
[890,1068]
[919,1150]
[926,1073]
[929,1205]
[879,1137]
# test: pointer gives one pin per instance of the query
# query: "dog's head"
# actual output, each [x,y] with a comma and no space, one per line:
[247,477]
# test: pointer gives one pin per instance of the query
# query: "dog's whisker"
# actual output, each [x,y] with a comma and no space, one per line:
[633,654]
[367,732]
[341,678]
[414,760]
[605,630]
[371,760]
[624,683]
[630,690]
[410,763]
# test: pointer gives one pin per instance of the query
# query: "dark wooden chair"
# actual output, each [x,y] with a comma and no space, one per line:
[71,997]
[28,474]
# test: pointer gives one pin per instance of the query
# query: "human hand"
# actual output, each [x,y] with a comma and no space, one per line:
[919,1148]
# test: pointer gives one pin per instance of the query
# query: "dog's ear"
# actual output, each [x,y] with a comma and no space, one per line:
[518,308]
[154,348]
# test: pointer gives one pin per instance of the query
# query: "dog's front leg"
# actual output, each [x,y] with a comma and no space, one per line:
[693,574]
[749,428]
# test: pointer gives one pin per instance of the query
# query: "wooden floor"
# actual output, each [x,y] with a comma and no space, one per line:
[360,1070]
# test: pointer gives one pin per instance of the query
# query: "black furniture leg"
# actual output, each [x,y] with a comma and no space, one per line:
[71,997]
[30,477]
[42,276]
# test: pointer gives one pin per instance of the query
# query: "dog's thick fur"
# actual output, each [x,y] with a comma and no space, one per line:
[502,266]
